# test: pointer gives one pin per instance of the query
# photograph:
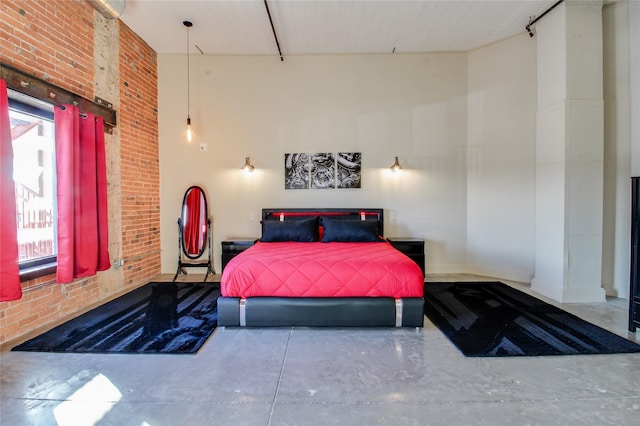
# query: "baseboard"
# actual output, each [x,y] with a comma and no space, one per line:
[503,274]
[446,269]
[500,274]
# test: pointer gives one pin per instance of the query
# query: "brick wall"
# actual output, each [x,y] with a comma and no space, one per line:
[50,39]
[140,163]
[54,40]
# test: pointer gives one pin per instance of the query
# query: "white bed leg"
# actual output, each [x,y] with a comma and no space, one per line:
[398,312]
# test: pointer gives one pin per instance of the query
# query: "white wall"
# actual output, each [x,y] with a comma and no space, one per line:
[634,70]
[621,23]
[501,162]
[473,207]
[412,106]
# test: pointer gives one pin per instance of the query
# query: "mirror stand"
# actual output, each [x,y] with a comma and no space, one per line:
[190,264]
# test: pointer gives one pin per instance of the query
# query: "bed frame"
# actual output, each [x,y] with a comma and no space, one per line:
[321,311]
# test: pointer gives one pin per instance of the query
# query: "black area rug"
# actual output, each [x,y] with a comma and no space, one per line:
[491,319]
[172,318]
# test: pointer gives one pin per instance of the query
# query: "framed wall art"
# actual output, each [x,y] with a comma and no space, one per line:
[322,170]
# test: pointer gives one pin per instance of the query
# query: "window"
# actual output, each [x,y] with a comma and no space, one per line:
[33,136]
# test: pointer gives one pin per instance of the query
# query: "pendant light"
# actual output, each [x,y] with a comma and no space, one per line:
[189,135]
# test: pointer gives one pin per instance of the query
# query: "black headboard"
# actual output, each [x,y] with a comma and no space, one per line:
[338,214]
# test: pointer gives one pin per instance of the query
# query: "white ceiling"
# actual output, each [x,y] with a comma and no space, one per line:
[241,27]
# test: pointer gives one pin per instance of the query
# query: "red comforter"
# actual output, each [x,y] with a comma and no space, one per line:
[292,269]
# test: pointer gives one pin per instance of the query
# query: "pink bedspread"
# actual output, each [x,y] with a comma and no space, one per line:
[291,269]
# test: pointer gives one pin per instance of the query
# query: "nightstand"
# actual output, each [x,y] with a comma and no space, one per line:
[231,248]
[412,247]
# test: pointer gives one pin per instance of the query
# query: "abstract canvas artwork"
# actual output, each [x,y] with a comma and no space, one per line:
[348,169]
[296,171]
[322,170]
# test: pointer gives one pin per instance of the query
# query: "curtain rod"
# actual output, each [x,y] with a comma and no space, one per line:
[531,22]
[47,92]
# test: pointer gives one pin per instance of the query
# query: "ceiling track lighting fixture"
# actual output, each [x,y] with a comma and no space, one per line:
[532,21]
[396,166]
[247,166]
[189,135]
[273,28]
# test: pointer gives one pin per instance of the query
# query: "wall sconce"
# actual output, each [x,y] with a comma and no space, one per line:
[396,166]
[189,135]
[247,167]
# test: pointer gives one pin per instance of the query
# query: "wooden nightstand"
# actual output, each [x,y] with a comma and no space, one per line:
[231,248]
[412,247]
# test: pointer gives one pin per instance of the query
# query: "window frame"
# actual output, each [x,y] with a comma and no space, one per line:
[47,265]
[36,268]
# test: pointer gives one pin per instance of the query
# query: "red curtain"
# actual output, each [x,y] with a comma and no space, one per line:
[10,288]
[82,194]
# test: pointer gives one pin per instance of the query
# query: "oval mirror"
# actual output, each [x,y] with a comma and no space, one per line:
[194,222]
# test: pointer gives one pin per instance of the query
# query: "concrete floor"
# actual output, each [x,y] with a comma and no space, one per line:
[327,376]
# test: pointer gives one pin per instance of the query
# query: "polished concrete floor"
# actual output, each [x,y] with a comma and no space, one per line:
[327,376]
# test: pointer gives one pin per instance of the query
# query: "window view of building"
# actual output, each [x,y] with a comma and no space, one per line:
[32,131]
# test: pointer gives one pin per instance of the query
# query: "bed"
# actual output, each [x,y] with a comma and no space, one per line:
[321,268]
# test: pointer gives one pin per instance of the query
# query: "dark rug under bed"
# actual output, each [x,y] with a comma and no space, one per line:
[491,319]
[174,318]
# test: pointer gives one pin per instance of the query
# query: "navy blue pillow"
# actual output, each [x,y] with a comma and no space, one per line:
[365,231]
[305,230]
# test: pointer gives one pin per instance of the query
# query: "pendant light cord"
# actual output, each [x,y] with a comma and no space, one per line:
[188,24]
[188,77]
